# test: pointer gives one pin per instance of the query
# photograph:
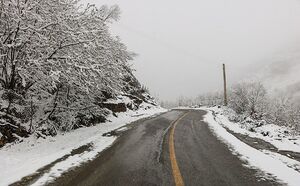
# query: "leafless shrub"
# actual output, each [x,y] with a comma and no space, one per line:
[249,98]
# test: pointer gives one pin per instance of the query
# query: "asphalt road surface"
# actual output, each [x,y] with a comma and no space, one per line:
[175,148]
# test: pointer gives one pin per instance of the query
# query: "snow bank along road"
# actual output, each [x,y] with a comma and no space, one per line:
[175,148]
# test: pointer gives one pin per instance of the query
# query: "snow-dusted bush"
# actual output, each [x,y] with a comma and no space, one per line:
[249,98]
[284,111]
[253,105]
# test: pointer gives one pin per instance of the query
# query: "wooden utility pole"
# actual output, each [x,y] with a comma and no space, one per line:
[225,88]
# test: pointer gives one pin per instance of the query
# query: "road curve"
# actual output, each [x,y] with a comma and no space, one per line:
[143,155]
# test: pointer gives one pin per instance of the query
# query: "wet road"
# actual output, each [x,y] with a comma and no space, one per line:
[175,148]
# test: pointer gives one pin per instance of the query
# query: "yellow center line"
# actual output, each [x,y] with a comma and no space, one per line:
[176,172]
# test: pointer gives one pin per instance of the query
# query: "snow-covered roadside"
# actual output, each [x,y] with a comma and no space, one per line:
[268,163]
[25,158]
[277,135]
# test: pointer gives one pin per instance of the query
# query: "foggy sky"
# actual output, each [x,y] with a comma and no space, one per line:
[182,44]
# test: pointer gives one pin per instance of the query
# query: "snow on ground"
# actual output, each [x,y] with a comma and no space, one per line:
[120,99]
[181,108]
[288,161]
[25,158]
[276,134]
[267,162]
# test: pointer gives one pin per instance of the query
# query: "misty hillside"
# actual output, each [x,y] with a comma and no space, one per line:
[283,77]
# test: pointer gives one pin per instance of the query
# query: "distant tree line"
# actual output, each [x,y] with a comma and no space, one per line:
[251,99]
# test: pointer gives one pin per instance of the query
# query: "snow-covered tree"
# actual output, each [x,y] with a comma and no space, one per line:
[58,59]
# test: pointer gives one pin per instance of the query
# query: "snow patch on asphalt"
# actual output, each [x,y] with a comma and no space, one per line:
[98,145]
[255,158]
[122,129]
[19,160]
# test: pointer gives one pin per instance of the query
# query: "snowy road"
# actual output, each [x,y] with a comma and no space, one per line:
[143,155]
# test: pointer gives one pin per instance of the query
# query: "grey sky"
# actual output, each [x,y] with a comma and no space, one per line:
[181,44]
